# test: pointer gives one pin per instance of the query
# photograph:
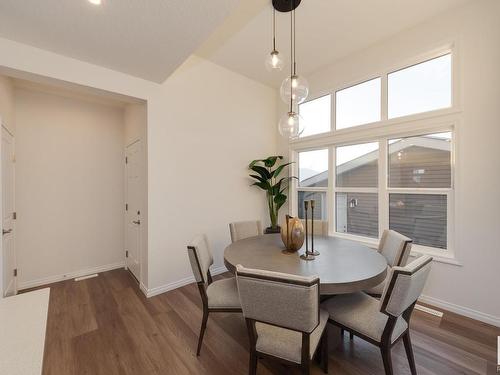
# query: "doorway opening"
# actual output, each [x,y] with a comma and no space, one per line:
[73,182]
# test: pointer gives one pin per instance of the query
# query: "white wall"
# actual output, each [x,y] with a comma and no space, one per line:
[69,185]
[7,103]
[215,122]
[476,29]
[136,123]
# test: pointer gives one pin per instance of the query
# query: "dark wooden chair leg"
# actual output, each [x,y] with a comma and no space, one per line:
[324,352]
[342,332]
[253,363]
[202,330]
[351,336]
[306,369]
[386,358]
[409,353]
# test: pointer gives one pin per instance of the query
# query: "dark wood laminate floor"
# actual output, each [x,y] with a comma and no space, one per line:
[105,326]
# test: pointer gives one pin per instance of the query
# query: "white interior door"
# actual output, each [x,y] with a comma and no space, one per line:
[8,231]
[133,208]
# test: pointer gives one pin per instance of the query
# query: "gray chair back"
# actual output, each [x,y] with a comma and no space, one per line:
[283,300]
[395,247]
[405,286]
[243,229]
[200,258]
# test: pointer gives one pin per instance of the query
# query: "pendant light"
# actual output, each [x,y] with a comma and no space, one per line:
[294,87]
[273,60]
[294,90]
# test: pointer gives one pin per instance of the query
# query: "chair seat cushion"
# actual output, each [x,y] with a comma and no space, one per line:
[361,313]
[223,294]
[287,344]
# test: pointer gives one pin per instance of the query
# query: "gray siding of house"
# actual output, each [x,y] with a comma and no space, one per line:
[419,167]
[362,219]
[320,206]
[422,217]
[363,176]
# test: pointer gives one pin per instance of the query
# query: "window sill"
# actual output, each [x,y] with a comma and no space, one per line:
[437,256]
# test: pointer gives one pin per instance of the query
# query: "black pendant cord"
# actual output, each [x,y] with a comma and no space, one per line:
[294,43]
[292,62]
[274,29]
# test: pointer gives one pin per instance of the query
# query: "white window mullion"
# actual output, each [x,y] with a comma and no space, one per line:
[331,191]
[384,98]
[383,196]
[333,117]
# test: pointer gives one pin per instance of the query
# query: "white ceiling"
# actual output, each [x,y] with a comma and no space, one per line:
[327,30]
[144,38]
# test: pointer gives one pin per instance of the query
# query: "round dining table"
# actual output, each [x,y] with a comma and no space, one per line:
[343,266]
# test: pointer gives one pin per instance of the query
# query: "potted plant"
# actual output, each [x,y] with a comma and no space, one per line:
[268,179]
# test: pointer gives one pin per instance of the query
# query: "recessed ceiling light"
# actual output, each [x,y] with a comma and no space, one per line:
[95,2]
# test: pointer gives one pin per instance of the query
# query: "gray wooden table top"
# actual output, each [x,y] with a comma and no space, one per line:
[343,267]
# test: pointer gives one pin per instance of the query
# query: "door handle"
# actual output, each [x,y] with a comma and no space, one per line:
[138,222]
[4,232]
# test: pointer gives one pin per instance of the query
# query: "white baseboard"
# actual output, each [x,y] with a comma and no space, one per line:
[461,310]
[177,284]
[70,275]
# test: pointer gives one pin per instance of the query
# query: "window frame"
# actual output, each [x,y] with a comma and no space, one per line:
[345,87]
[295,187]
[332,111]
[450,47]
[436,121]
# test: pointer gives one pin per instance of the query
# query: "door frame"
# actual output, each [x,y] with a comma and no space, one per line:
[141,205]
[2,260]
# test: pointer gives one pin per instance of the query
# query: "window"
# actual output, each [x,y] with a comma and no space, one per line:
[420,88]
[313,182]
[356,193]
[391,179]
[420,165]
[316,115]
[358,104]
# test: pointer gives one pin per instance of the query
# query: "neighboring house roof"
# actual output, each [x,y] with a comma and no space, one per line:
[424,142]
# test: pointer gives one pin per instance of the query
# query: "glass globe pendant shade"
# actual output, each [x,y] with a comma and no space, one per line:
[274,61]
[294,88]
[289,125]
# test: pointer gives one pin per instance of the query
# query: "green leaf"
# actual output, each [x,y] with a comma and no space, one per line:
[277,187]
[278,170]
[261,179]
[280,200]
[255,162]
[271,160]
[263,172]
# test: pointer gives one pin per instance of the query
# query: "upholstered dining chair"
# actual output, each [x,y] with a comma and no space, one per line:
[283,318]
[244,229]
[396,249]
[383,322]
[216,296]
